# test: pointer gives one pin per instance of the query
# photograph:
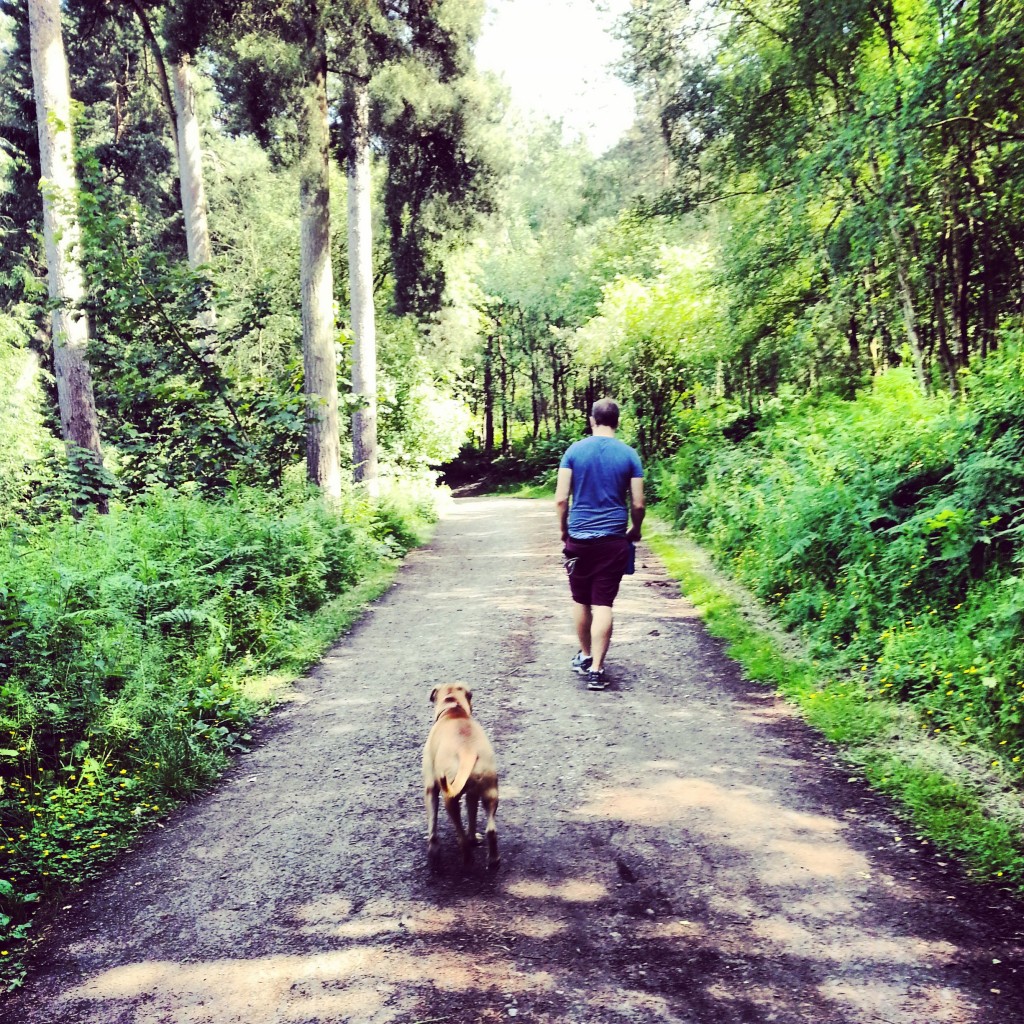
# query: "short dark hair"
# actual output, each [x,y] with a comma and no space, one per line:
[606,413]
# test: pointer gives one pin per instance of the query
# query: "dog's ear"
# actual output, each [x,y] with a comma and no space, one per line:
[469,697]
[433,695]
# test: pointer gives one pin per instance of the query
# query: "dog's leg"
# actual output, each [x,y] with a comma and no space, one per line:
[451,805]
[472,804]
[433,843]
[490,799]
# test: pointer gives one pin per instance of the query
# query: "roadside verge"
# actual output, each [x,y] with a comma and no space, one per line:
[955,795]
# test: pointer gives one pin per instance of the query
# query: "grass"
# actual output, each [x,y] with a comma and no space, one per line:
[98,814]
[955,795]
[318,633]
[543,490]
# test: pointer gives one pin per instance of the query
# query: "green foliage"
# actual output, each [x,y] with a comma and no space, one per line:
[27,441]
[435,120]
[420,424]
[958,801]
[20,208]
[126,643]
[649,337]
[888,529]
[171,412]
[864,173]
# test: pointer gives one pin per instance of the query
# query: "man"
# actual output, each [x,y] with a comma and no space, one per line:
[605,480]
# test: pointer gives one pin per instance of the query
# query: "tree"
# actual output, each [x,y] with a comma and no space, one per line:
[875,148]
[317,280]
[360,270]
[179,97]
[265,89]
[61,232]
[412,58]
[21,264]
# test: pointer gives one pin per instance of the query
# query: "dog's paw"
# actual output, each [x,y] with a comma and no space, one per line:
[477,839]
[493,864]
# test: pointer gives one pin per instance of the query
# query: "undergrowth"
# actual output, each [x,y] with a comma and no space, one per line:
[136,649]
[889,533]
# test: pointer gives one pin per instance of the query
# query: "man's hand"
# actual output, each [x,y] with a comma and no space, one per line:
[633,534]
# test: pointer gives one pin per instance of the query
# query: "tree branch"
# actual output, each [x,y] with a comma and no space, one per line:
[1002,132]
[161,68]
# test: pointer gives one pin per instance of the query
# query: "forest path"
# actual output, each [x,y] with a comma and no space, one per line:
[680,848]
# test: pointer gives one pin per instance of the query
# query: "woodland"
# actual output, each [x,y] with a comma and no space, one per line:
[269,271]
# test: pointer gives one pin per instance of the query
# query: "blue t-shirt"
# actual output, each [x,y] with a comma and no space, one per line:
[602,468]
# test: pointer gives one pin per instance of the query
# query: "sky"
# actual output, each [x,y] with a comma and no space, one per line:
[554,55]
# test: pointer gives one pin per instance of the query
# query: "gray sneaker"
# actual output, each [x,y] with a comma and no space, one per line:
[597,680]
[581,663]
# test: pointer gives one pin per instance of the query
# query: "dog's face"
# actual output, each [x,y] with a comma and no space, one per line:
[451,695]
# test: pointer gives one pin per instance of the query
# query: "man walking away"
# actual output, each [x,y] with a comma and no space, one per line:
[605,480]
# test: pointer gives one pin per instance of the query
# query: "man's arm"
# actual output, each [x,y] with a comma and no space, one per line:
[562,491]
[637,508]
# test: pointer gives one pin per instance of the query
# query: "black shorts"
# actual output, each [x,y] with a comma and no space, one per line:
[596,568]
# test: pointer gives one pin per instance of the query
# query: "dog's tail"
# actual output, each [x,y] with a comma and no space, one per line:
[455,779]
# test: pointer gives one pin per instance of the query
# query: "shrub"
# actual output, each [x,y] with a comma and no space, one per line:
[888,530]
[125,643]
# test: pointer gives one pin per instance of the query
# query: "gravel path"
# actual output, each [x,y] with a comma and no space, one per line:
[680,848]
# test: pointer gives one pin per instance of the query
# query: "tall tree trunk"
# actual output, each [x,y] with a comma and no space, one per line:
[190,167]
[180,104]
[62,236]
[536,398]
[503,377]
[360,276]
[909,316]
[190,175]
[323,466]
[556,387]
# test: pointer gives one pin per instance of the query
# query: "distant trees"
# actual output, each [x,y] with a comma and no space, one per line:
[560,239]
[838,190]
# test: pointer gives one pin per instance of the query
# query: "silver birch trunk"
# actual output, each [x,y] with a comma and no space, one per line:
[180,102]
[909,316]
[360,264]
[190,167]
[190,176]
[61,231]
[323,466]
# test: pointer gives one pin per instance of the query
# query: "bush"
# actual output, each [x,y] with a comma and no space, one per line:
[889,531]
[124,643]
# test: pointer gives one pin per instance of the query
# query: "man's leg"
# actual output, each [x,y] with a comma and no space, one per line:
[600,634]
[582,617]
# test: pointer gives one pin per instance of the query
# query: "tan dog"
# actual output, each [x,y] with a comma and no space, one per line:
[458,759]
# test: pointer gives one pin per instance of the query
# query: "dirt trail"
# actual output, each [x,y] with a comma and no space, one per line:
[679,848]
